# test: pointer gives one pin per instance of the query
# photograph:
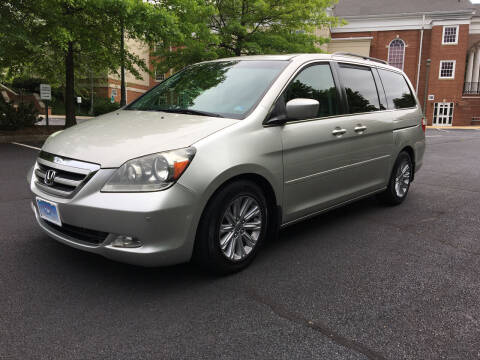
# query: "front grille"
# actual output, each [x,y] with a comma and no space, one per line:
[93,237]
[69,174]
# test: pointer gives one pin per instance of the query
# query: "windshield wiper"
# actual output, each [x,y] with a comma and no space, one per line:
[191,112]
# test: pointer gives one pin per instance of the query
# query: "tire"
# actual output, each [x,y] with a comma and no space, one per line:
[224,244]
[400,180]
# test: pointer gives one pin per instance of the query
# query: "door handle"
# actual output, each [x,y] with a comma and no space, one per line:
[339,132]
[360,129]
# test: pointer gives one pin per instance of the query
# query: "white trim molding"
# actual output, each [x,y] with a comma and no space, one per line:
[407,21]
[360,38]
[453,62]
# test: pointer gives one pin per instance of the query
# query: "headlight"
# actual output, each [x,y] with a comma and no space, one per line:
[150,173]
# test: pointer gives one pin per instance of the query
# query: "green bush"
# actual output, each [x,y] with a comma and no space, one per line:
[100,106]
[12,118]
[103,106]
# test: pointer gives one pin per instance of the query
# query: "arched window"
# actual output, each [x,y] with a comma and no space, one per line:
[396,53]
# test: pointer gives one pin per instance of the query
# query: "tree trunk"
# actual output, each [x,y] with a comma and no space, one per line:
[123,94]
[69,88]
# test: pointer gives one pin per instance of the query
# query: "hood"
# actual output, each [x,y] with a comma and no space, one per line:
[112,139]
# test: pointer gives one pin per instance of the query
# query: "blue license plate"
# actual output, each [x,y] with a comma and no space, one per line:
[49,211]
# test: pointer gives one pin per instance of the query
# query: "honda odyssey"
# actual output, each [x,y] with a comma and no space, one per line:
[216,158]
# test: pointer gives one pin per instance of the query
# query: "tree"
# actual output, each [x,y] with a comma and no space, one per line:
[61,39]
[221,28]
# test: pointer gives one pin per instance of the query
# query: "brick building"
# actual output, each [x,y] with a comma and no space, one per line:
[109,85]
[406,33]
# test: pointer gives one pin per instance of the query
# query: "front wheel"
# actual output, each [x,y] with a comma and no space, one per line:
[400,180]
[232,229]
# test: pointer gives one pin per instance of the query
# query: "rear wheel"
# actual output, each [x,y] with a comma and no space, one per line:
[232,229]
[400,180]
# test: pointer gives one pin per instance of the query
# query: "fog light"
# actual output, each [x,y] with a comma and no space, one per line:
[124,241]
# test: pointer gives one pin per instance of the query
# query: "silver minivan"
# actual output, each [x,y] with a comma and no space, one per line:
[215,159]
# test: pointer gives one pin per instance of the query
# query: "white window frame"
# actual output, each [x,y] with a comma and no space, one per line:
[156,80]
[453,70]
[457,27]
[404,51]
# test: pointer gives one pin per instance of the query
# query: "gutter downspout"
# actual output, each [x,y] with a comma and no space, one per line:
[420,54]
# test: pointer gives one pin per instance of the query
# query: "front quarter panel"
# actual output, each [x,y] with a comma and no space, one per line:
[245,148]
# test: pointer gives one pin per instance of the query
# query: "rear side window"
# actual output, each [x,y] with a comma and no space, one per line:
[399,95]
[315,82]
[362,95]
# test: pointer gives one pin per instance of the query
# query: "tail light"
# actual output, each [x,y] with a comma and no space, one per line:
[424,124]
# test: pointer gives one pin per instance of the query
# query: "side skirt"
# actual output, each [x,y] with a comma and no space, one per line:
[284,225]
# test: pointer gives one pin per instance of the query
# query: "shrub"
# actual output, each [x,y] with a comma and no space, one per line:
[12,118]
[103,106]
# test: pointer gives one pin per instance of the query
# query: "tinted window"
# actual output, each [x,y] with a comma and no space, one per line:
[227,88]
[399,95]
[315,82]
[360,87]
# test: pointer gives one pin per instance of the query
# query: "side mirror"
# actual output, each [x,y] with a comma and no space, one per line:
[299,109]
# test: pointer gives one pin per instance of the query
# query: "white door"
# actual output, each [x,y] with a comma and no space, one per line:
[443,114]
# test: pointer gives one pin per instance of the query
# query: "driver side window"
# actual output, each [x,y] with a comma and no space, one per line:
[315,82]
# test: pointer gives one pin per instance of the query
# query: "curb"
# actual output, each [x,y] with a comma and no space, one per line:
[6,139]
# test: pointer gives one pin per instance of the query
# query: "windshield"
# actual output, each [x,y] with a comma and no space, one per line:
[224,89]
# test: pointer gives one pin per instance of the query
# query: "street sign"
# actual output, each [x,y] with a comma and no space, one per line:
[79,99]
[45,92]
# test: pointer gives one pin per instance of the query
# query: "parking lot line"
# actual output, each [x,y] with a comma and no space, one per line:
[25,145]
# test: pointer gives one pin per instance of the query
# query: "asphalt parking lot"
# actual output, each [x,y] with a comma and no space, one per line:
[362,282]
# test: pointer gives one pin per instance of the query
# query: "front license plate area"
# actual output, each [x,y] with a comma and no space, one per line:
[49,211]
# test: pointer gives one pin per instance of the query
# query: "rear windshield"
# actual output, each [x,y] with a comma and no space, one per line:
[225,89]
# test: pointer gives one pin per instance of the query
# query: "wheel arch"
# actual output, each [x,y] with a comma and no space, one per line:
[264,184]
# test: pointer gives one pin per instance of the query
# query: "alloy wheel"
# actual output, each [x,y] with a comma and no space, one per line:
[240,228]
[402,179]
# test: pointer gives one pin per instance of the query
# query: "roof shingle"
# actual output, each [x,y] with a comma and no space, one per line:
[384,7]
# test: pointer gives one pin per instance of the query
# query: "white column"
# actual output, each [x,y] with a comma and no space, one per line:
[471,59]
[476,69]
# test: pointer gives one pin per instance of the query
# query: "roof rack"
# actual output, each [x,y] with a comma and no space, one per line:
[360,56]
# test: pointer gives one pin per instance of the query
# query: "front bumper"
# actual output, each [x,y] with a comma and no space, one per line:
[164,222]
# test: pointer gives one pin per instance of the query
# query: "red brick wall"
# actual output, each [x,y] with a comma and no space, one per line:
[131,94]
[449,90]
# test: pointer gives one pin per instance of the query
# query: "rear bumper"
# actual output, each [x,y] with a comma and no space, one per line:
[164,222]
